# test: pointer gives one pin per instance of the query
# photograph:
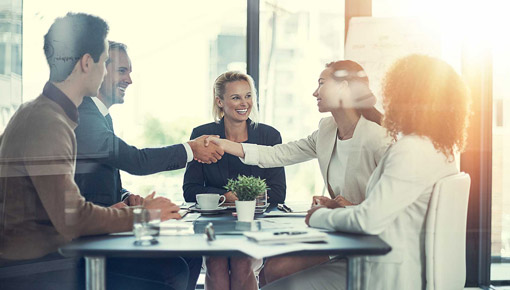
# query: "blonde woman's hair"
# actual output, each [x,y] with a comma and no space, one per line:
[219,91]
[424,96]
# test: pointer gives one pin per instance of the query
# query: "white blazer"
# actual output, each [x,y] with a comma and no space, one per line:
[396,203]
[371,141]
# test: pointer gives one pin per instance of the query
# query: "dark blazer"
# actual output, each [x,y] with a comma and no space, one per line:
[101,154]
[210,178]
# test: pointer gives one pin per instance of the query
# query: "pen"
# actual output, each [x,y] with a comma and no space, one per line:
[289,233]
[287,209]
[284,208]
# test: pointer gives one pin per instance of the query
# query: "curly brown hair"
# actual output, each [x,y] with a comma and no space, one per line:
[424,96]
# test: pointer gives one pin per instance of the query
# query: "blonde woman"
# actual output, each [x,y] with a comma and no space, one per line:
[234,102]
[348,145]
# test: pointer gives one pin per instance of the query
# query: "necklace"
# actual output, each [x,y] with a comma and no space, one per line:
[347,132]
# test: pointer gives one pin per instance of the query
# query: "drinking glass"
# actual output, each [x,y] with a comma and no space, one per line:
[146,226]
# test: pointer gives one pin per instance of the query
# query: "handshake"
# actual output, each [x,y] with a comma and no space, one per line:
[205,151]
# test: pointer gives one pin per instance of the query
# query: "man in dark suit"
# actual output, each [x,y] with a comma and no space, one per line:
[101,154]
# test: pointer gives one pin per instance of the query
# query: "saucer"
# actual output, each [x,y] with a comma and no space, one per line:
[232,205]
[197,206]
[209,211]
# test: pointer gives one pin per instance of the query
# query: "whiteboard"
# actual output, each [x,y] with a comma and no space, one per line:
[376,43]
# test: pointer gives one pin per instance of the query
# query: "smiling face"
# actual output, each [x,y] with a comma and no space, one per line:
[237,101]
[117,78]
[331,94]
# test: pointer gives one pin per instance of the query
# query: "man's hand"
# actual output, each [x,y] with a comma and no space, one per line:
[133,200]
[230,197]
[205,154]
[325,201]
[119,205]
[310,212]
[169,210]
[149,197]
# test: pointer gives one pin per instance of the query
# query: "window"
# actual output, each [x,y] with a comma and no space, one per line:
[482,26]
[10,59]
[3,59]
[500,245]
[297,39]
[177,50]
[16,59]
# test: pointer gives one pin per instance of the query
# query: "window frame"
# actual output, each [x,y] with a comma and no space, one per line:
[476,160]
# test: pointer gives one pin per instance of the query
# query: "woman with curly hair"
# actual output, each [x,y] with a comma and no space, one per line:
[426,112]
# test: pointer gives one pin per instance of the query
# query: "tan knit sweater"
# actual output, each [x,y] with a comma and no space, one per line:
[40,205]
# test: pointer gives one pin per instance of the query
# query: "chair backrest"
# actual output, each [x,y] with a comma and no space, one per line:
[445,233]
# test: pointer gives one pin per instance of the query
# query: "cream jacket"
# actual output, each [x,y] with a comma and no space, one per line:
[369,142]
[395,208]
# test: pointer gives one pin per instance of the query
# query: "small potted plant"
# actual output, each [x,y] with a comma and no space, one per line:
[247,189]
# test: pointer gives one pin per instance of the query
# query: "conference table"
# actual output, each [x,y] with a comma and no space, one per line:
[187,238]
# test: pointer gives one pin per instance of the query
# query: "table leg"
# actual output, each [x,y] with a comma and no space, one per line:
[95,271]
[354,273]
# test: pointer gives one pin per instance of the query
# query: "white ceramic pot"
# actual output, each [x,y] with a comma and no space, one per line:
[245,210]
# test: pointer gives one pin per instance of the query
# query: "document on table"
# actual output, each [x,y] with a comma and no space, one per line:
[176,228]
[284,214]
[269,223]
[298,207]
[190,217]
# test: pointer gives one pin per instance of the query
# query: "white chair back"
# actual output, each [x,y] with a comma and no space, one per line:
[445,236]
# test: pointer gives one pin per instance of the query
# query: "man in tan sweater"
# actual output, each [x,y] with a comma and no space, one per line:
[41,206]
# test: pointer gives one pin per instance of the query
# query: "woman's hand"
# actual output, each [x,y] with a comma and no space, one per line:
[310,212]
[324,201]
[230,197]
[228,146]
[213,139]
[342,202]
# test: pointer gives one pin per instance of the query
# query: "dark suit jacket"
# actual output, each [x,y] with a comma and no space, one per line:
[210,178]
[101,154]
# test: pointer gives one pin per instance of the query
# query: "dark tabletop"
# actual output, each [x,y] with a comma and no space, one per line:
[229,242]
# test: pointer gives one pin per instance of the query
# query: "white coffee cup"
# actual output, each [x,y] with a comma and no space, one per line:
[210,200]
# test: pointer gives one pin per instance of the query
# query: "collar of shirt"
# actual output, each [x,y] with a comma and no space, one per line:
[55,94]
[252,137]
[99,104]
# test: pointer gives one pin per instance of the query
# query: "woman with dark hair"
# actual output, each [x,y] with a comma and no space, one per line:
[348,146]
[426,113]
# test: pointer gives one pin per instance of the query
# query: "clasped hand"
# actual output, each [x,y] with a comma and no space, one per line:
[337,202]
[326,202]
[205,152]
[169,210]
